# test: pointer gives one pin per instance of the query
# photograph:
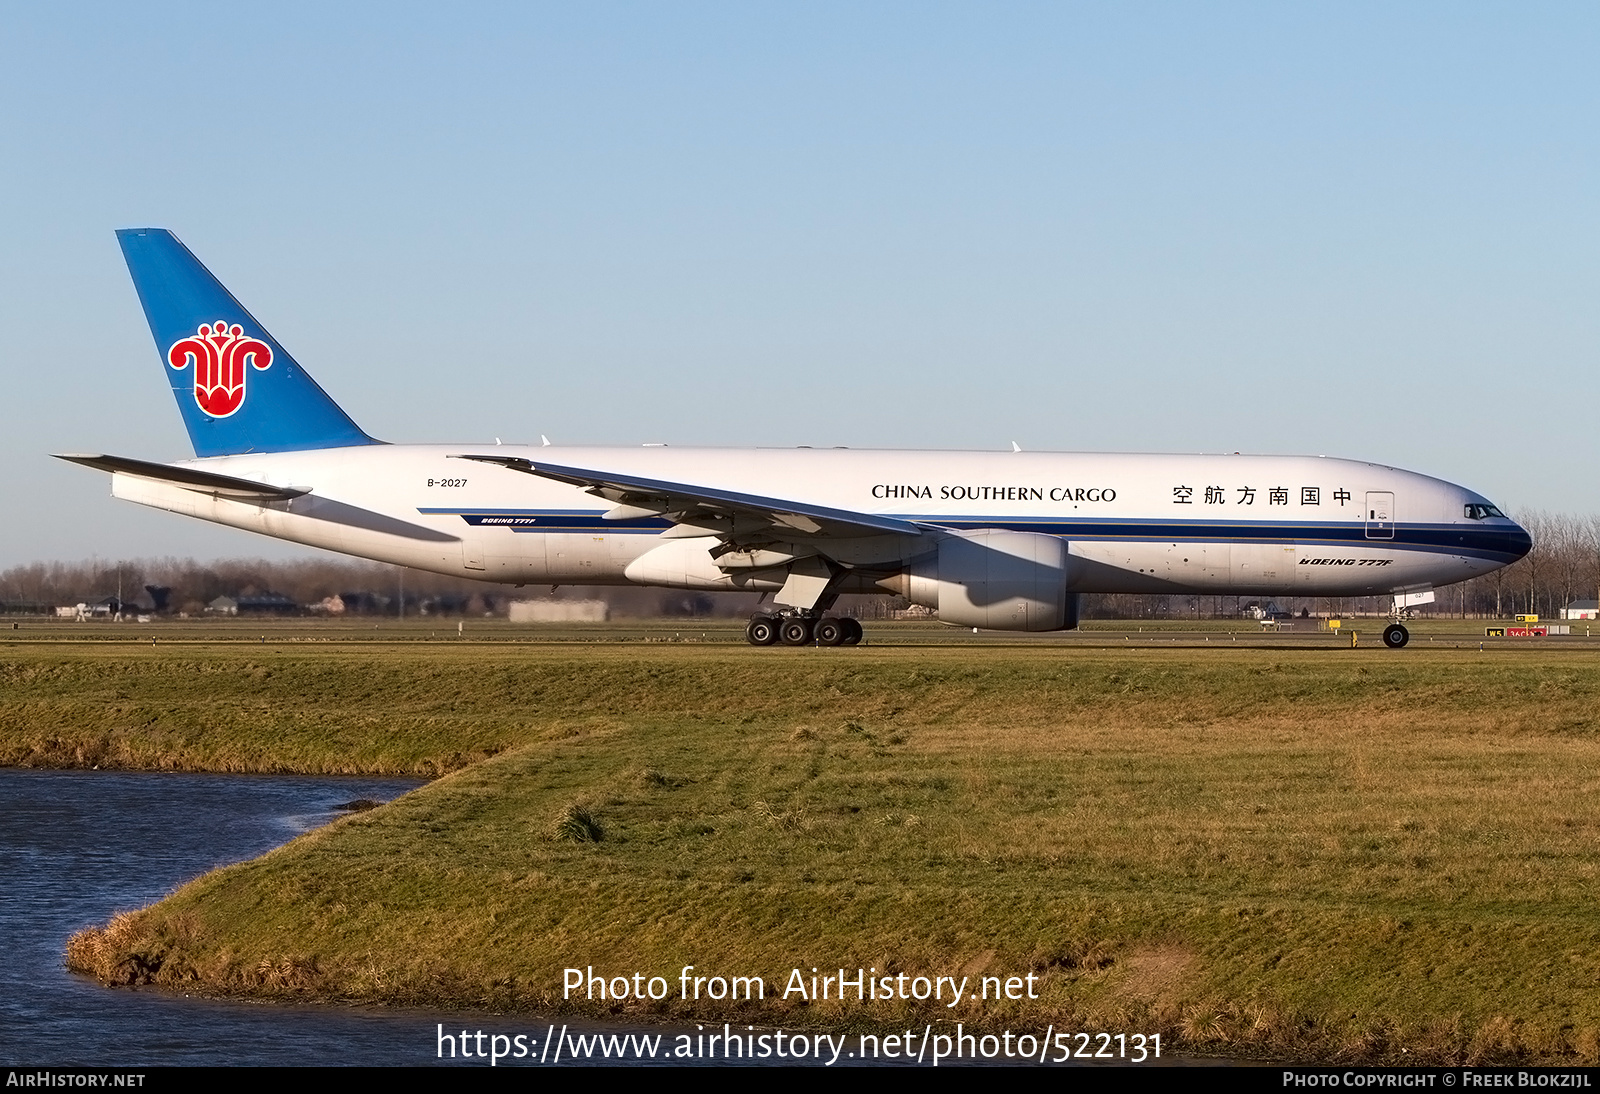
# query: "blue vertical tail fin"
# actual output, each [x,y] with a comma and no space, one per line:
[238,390]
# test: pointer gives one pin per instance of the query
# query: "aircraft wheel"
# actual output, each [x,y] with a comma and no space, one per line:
[795,631]
[830,631]
[852,631]
[762,630]
[1395,636]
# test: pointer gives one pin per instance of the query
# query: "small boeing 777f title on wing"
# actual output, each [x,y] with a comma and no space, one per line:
[1001,540]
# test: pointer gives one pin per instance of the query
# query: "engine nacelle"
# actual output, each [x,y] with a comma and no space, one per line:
[999,580]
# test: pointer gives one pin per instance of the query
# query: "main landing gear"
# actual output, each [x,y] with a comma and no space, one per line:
[802,630]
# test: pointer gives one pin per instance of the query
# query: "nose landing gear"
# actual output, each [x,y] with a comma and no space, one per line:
[1395,635]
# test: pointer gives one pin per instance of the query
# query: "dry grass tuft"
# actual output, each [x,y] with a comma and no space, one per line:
[652,779]
[1586,1044]
[579,825]
[108,953]
[1496,1040]
[1205,1026]
[134,948]
[789,820]
[289,974]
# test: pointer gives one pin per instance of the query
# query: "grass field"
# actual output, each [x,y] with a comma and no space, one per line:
[1277,845]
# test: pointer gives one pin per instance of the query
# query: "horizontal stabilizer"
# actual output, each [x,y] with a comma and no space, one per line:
[703,506]
[205,482]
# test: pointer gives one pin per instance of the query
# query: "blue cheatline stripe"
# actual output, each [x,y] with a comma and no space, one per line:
[591,531]
[1494,544]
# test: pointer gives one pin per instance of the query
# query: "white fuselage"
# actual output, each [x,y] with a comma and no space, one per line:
[1279,525]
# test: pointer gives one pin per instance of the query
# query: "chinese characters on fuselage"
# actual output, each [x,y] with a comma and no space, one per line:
[1276,495]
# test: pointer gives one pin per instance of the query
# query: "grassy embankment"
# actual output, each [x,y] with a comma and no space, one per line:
[1318,854]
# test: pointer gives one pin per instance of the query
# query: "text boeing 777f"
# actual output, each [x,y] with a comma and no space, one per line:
[1003,540]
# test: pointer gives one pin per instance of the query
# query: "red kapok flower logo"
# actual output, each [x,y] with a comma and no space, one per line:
[219,353]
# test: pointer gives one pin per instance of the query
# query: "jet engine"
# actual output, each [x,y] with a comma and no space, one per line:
[999,580]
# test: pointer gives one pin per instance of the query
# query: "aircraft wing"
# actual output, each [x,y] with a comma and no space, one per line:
[702,510]
[204,482]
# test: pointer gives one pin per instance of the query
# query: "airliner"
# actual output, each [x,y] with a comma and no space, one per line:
[989,540]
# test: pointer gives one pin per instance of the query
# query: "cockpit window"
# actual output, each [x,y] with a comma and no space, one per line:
[1480,511]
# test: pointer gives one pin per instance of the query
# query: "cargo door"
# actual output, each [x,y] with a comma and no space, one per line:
[1262,566]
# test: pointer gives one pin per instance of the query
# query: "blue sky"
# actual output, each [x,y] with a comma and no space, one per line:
[1359,230]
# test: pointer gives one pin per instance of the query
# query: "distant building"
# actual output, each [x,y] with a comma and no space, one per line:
[267,604]
[1582,609]
[264,604]
[363,603]
[109,608]
[560,611]
[1270,610]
